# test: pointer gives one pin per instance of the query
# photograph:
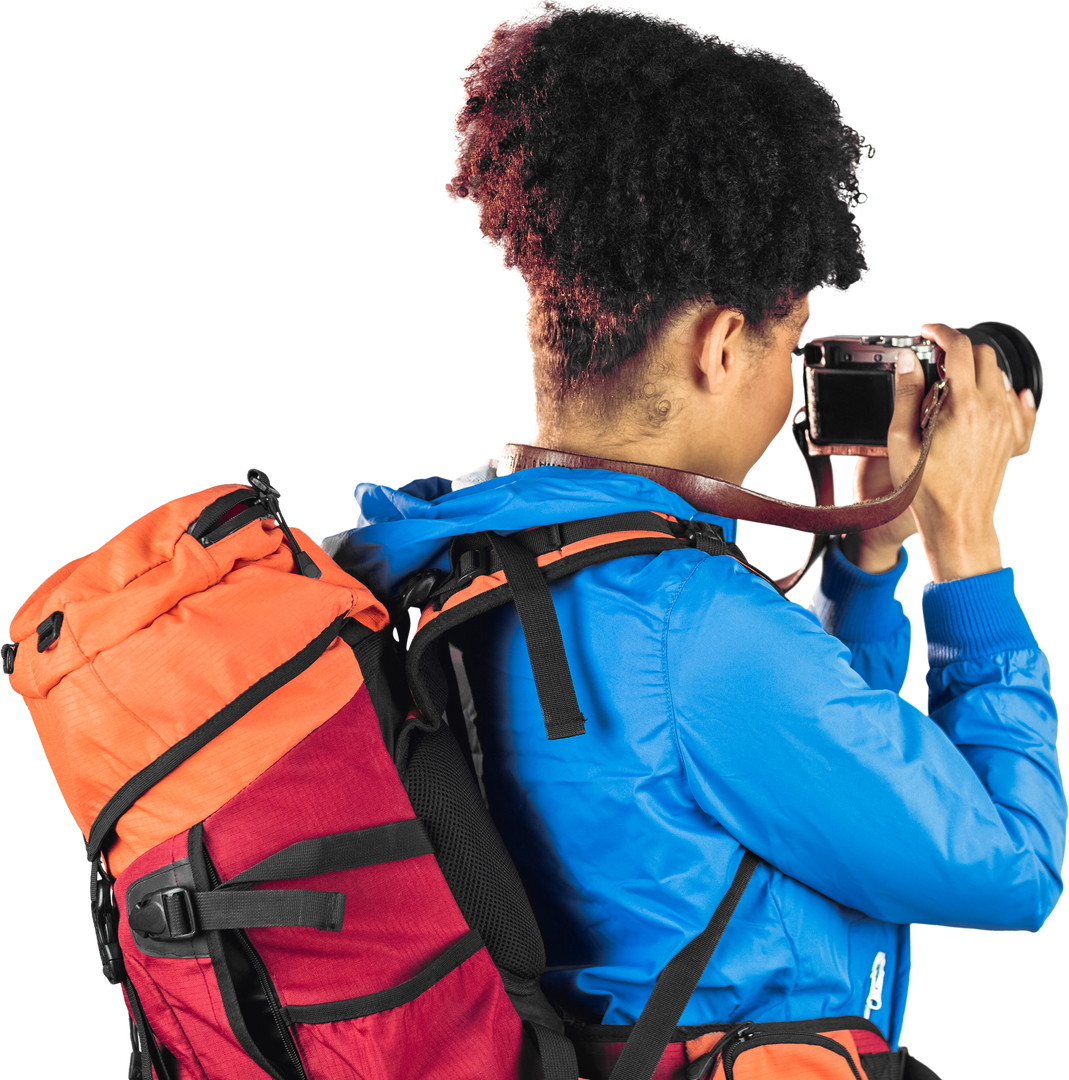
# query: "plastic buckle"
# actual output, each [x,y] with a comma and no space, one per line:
[156,904]
[9,652]
[106,927]
[417,590]
[696,528]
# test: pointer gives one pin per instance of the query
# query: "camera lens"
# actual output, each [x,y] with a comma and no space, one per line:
[1014,353]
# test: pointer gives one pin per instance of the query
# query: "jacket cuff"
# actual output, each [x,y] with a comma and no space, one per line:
[857,606]
[973,617]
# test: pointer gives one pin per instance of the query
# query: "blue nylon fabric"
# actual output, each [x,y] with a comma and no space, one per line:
[719,714]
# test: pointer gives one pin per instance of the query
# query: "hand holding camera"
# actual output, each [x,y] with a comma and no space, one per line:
[984,423]
[989,416]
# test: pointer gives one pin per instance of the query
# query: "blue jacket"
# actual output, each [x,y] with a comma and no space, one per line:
[720,715]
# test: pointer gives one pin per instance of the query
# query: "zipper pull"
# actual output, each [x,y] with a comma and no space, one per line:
[875,998]
[269,496]
[703,1067]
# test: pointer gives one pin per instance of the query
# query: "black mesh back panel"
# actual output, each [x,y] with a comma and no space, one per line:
[471,853]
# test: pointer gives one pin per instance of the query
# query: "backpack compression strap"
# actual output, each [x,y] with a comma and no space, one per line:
[677,982]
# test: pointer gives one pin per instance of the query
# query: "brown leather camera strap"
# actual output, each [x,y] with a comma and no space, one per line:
[713,496]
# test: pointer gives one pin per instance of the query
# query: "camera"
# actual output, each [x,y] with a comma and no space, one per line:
[849,382]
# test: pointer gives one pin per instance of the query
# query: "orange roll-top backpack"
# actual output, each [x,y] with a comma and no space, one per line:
[293,872]
[225,712]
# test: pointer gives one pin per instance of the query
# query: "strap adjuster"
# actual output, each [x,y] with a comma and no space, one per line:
[167,915]
[705,536]
[472,563]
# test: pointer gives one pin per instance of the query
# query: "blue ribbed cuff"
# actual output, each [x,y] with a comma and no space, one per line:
[854,605]
[972,617]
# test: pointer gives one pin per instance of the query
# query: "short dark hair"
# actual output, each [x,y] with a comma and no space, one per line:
[629,166]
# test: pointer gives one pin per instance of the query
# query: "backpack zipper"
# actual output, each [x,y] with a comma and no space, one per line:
[875,999]
[266,983]
[261,502]
[701,1068]
[755,1038]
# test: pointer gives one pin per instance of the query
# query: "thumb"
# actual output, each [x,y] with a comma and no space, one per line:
[903,436]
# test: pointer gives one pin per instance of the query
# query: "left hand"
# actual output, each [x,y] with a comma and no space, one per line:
[877,549]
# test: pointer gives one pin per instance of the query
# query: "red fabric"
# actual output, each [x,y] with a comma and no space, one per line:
[869,1043]
[238,508]
[398,917]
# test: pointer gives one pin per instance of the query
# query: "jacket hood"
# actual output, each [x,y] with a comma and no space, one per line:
[402,531]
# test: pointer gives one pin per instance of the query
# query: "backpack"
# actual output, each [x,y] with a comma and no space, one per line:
[293,870]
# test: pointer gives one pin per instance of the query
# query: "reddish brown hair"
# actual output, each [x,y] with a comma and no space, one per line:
[629,167]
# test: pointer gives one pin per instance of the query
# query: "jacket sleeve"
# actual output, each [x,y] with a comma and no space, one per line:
[955,819]
[860,609]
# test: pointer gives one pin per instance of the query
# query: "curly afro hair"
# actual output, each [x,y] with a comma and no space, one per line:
[629,166]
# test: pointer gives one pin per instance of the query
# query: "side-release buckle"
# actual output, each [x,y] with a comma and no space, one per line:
[417,589]
[705,536]
[106,924]
[167,915]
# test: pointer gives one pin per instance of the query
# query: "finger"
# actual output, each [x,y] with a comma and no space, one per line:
[903,436]
[990,378]
[959,364]
[1024,409]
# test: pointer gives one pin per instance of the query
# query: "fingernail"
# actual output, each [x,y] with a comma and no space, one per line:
[1029,399]
[905,362]
[1006,380]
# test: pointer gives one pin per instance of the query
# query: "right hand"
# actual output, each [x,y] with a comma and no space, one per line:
[982,424]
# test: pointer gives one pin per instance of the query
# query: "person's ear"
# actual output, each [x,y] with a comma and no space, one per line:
[721,348]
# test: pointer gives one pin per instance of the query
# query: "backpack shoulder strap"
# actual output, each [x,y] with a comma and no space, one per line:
[487,570]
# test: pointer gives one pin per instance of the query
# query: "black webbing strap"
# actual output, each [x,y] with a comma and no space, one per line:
[176,913]
[557,1053]
[541,631]
[341,851]
[650,1036]
[471,555]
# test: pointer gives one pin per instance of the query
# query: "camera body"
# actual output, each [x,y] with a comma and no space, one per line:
[849,387]
[849,382]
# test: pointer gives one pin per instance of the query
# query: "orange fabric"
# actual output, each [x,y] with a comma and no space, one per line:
[787,1061]
[215,774]
[159,634]
[793,1061]
[796,1061]
[702,1044]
